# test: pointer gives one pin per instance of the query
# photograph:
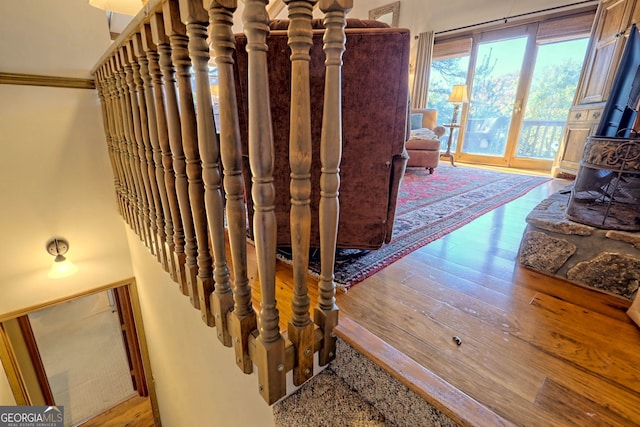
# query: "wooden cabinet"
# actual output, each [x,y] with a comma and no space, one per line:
[582,122]
[606,49]
[613,21]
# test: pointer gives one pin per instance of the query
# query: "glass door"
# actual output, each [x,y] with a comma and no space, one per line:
[553,85]
[521,81]
[498,81]
[520,92]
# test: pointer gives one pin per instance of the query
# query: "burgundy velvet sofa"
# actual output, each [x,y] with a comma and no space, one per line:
[375,115]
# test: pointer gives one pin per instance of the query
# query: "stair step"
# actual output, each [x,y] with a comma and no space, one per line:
[326,400]
[407,393]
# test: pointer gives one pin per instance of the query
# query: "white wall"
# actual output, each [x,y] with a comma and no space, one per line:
[51,37]
[55,180]
[193,372]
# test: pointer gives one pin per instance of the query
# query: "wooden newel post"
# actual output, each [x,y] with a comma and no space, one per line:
[270,345]
[242,320]
[326,312]
[300,329]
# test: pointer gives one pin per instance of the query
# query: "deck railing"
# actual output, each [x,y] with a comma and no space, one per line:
[165,150]
[539,139]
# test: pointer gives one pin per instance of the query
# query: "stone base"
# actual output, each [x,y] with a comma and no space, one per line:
[607,260]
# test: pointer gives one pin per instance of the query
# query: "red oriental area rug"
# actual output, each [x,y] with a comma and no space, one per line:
[429,207]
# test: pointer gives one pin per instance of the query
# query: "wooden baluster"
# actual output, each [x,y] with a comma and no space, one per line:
[165,94]
[326,312]
[109,91]
[177,185]
[125,73]
[101,86]
[129,123]
[128,97]
[117,143]
[176,32]
[300,328]
[114,95]
[220,301]
[204,278]
[269,344]
[157,130]
[139,65]
[243,319]
[111,142]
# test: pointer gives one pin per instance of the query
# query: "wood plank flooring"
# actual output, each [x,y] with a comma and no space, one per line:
[134,412]
[535,350]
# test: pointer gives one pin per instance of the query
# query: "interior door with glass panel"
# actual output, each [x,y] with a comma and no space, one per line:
[499,79]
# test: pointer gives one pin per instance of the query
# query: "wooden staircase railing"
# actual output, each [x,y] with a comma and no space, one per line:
[168,161]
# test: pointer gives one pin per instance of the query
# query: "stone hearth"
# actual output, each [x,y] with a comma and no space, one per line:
[608,260]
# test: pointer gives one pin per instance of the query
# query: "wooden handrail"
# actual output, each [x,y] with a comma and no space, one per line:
[168,161]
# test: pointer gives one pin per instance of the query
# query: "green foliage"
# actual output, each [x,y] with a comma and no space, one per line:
[444,74]
[550,95]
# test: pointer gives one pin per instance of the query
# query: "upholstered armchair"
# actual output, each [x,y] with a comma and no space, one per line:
[375,85]
[423,145]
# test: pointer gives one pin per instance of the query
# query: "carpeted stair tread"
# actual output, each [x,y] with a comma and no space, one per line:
[400,405]
[326,401]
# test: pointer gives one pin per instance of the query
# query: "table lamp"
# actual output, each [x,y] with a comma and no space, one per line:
[458,96]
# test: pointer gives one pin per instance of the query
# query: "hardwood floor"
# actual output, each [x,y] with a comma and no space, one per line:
[134,412]
[535,350]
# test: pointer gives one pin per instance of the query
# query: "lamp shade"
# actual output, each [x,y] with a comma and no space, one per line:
[458,94]
[62,268]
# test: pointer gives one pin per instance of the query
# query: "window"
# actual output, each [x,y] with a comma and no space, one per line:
[551,46]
